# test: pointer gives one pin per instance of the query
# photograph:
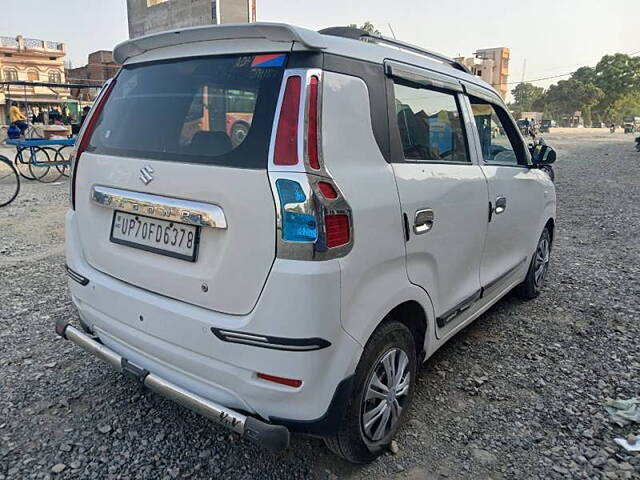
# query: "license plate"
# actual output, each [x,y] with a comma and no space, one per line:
[173,239]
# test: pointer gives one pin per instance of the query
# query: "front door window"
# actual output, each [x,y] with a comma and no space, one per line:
[500,143]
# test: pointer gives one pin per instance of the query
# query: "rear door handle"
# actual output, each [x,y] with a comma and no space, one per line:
[501,205]
[423,221]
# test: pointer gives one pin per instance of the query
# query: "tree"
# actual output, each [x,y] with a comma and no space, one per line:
[367,27]
[569,96]
[608,91]
[585,75]
[627,106]
[525,95]
[617,76]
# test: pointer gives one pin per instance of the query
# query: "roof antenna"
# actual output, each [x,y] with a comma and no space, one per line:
[392,32]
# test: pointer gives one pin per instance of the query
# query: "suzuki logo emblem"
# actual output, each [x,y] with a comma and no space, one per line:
[145,175]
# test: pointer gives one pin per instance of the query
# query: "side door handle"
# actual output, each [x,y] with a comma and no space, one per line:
[423,221]
[501,205]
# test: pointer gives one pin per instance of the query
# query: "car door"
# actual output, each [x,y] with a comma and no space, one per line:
[515,196]
[443,194]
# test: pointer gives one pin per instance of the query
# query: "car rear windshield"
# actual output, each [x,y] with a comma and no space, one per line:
[215,110]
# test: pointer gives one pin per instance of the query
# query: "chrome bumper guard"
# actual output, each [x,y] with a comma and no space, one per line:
[272,437]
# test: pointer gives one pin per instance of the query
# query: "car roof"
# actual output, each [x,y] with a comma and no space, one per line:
[287,37]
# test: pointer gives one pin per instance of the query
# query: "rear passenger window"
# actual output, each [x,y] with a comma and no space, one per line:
[430,125]
[498,139]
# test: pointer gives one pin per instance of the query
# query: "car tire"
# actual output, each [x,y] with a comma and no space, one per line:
[534,281]
[391,348]
[239,132]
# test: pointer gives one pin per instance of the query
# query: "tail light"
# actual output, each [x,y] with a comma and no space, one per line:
[312,124]
[297,226]
[337,227]
[314,219]
[86,137]
[327,190]
[286,148]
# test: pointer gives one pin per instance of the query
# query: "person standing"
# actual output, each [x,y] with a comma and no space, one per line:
[17,118]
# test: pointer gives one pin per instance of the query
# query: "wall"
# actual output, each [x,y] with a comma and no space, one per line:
[172,14]
[500,75]
[233,11]
[167,15]
[100,68]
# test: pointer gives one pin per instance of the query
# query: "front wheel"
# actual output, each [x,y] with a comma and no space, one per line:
[532,285]
[383,392]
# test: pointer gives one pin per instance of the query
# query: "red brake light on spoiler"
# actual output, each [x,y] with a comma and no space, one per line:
[86,137]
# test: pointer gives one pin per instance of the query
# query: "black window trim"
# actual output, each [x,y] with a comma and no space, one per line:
[511,131]
[421,76]
[397,152]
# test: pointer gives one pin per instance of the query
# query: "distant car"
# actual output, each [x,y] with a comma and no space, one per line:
[277,240]
[598,125]
[546,125]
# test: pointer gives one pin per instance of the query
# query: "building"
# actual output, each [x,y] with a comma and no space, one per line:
[149,16]
[492,65]
[28,59]
[100,68]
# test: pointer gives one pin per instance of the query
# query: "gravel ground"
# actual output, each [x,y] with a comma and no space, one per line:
[519,394]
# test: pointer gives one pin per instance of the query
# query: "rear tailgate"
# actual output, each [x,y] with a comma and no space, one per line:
[167,132]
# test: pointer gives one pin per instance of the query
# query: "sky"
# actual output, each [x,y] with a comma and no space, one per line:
[553,36]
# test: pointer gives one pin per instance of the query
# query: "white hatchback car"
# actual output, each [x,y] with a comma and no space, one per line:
[273,226]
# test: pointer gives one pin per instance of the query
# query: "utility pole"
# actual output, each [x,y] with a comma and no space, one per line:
[524,69]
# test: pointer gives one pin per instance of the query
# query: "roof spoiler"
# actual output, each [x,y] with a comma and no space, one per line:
[274,32]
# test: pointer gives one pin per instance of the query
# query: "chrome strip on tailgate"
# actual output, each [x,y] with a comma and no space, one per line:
[165,208]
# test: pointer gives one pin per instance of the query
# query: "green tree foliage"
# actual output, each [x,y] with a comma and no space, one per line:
[626,106]
[567,97]
[525,95]
[585,75]
[367,27]
[606,92]
[617,76]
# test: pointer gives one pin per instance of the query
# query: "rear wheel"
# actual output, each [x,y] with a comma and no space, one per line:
[62,155]
[534,281]
[42,171]
[384,385]
[21,162]
[9,182]
[239,132]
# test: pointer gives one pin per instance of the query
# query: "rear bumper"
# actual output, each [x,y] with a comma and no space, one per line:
[218,356]
[272,437]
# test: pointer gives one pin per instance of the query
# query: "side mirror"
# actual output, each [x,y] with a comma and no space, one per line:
[542,154]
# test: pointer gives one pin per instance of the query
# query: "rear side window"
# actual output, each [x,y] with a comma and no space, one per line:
[216,110]
[430,125]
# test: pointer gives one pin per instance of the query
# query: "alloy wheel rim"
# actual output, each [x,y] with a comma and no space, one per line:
[385,395]
[541,261]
